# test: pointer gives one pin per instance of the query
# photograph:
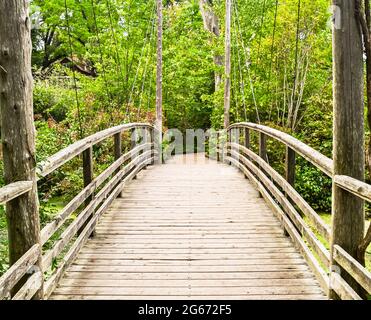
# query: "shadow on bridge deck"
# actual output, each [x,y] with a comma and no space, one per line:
[190,229]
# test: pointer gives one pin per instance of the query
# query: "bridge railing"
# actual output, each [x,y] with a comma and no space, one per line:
[289,206]
[25,265]
[69,235]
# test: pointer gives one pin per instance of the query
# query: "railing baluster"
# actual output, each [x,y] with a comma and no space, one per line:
[290,166]
[118,147]
[247,138]
[88,174]
[263,146]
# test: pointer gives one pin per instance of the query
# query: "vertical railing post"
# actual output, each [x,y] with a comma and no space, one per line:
[118,151]
[152,140]
[263,146]
[290,166]
[247,138]
[133,139]
[218,146]
[88,176]
[117,147]
[262,150]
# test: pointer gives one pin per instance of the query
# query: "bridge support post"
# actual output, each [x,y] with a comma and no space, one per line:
[18,130]
[218,146]
[88,173]
[134,140]
[263,149]
[246,140]
[117,151]
[348,147]
[290,166]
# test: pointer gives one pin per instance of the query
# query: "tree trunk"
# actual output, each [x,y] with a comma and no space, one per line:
[348,149]
[17,127]
[211,24]
[159,80]
[227,88]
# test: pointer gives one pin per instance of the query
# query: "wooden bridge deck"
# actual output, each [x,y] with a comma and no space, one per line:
[190,229]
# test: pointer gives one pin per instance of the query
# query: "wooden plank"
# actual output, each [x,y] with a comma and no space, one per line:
[211,276]
[354,186]
[219,283]
[16,272]
[14,190]
[187,297]
[342,289]
[28,290]
[204,269]
[193,291]
[353,267]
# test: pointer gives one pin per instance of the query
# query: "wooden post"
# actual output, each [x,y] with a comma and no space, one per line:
[247,138]
[290,166]
[134,139]
[159,82]
[118,151]
[88,174]
[227,86]
[117,147]
[348,146]
[17,127]
[263,149]
[263,146]
[218,146]
[152,137]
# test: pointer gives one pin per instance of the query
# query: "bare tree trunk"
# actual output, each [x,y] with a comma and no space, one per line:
[17,127]
[227,88]
[159,80]
[365,23]
[211,24]
[348,149]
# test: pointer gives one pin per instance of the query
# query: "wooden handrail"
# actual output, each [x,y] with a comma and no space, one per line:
[16,272]
[122,170]
[277,190]
[14,190]
[60,158]
[322,162]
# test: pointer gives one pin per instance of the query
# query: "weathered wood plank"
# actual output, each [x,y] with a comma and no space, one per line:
[14,190]
[353,267]
[32,285]
[16,272]
[342,289]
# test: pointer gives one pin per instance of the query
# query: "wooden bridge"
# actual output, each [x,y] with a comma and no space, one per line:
[192,228]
